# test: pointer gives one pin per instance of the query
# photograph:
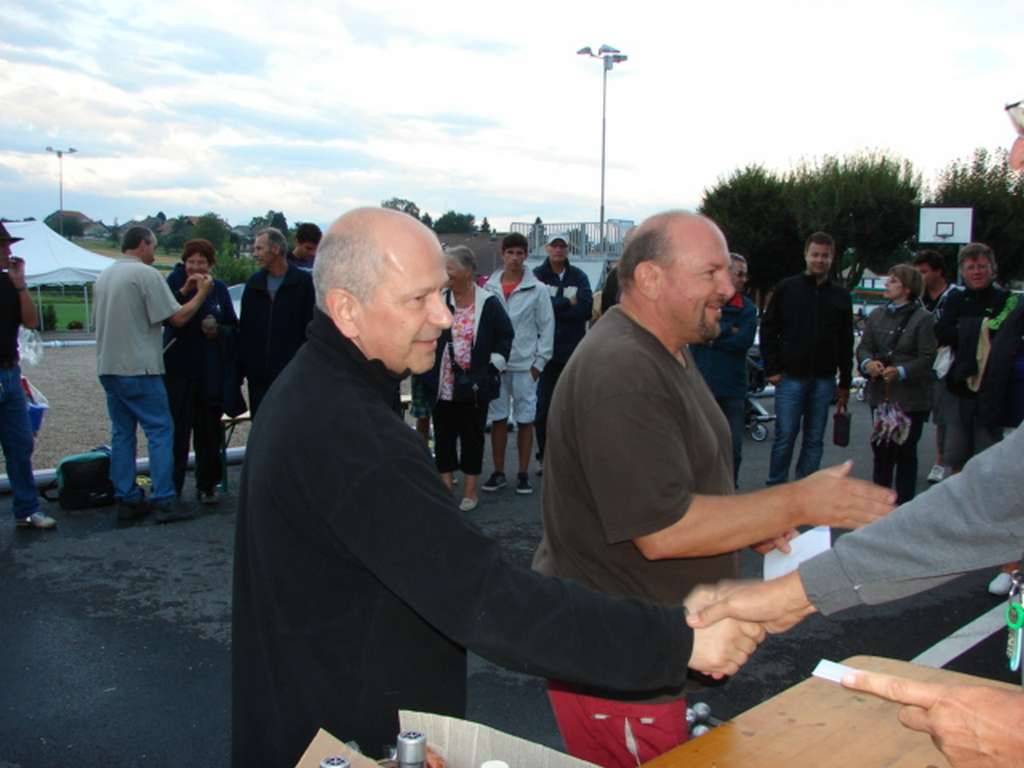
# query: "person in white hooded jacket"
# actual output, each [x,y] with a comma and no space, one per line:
[527,302]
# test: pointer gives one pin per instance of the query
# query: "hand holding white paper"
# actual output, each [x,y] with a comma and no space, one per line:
[803,547]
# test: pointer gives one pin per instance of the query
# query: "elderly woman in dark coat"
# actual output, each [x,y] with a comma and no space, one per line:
[896,353]
[470,357]
[200,379]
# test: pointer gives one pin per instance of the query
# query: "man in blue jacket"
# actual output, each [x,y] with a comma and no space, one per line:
[277,305]
[573,303]
[723,361]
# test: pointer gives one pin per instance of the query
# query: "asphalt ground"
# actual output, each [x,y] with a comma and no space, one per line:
[115,642]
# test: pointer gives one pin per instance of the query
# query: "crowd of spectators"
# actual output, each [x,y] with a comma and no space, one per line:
[657,389]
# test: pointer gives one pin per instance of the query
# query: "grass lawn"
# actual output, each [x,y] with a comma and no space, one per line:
[69,306]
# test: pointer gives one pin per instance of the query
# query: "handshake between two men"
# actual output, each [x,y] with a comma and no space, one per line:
[731,618]
[972,725]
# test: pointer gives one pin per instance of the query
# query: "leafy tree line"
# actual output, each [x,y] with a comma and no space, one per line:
[450,223]
[870,203]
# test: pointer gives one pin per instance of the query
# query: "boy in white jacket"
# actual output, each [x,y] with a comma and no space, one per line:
[527,302]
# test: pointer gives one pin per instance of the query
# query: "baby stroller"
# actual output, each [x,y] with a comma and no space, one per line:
[757,416]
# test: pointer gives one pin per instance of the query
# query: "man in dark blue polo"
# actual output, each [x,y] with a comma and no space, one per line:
[573,304]
[723,360]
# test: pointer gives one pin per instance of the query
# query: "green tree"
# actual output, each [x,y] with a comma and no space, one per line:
[181,230]
[453,223]
[72,226]
[114,233]
[485,226]
[996,193]
[272,218]
[279,222]
[868,202]
[427,220]
[752,209]
[211,227]
[403,205]
[234,270]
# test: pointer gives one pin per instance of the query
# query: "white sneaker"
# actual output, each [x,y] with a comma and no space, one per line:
[468,505]
[37,520]
[1001,584]
[937,474]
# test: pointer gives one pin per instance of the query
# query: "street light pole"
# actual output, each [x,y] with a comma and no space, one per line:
[610,57]
[60,165]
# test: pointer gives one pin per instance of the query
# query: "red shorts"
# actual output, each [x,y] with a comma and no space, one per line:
[616,734]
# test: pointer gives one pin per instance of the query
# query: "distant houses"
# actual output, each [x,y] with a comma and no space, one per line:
[77,224]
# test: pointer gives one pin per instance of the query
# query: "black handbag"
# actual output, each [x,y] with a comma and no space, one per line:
[841,428]
[464,387]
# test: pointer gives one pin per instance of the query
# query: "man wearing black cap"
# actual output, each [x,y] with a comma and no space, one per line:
[573,303]
[16,308]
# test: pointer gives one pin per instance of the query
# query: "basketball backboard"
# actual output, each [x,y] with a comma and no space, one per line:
[945,225]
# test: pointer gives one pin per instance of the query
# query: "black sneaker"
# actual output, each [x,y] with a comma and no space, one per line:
[130,511]
[495,482]
[523,486]
[171,511]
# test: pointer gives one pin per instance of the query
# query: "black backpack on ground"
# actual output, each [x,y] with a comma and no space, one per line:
[83,481]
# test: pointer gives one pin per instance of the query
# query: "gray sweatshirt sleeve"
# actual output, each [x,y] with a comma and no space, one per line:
[970,521]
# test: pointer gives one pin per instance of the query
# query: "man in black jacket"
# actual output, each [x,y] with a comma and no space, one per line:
[959,328]
[573,303]
[357,585]
[806,339]
[277,305]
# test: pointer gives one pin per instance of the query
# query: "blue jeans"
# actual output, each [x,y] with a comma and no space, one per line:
[735,410]
[16,441]
[796,401]
[134,400]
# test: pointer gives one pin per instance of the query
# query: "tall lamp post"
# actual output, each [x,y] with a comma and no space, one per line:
[60,163]
[610,56]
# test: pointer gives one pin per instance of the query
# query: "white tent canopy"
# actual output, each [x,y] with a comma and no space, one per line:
[52,260]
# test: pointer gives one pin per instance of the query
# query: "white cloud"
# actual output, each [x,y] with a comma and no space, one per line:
[462,105]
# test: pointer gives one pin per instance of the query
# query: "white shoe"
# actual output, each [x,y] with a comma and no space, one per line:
[937,474]
[37,520]
[1001,584]
[468,505]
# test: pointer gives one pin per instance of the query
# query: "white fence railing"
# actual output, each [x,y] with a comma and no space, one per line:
[584,237]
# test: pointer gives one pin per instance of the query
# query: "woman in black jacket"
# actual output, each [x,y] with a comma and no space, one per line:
[896,353]
[465,377]
[200,381]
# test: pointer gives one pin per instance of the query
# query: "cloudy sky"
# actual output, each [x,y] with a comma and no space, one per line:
[316,107]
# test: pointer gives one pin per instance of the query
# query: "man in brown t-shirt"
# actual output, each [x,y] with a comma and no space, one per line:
[637,497]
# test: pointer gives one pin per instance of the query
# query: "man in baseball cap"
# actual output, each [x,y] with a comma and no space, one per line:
[16,308]
[572,303]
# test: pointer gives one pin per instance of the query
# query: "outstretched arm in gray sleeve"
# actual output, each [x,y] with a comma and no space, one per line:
[971,521]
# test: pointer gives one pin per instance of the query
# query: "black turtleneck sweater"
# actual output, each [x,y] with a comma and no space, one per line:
[358,586]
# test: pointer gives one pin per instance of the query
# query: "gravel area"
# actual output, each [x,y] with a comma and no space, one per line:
[77,419]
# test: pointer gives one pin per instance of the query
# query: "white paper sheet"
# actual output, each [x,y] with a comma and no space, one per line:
[831,671]
[803,547]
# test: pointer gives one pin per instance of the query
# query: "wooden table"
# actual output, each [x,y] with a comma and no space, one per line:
[817,723]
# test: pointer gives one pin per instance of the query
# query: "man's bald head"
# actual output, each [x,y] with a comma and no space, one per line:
[360,244]
[662,237]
